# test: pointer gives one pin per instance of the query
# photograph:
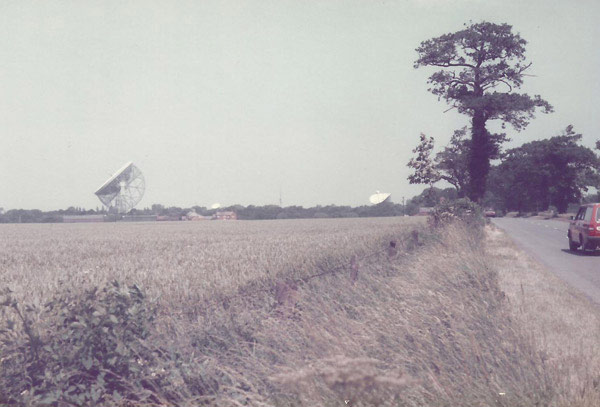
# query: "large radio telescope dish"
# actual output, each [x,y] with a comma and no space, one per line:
[124,190]
[379,197]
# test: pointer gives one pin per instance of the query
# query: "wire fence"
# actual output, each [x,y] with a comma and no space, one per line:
[284,289]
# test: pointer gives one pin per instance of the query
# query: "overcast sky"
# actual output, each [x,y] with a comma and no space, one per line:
[233,101]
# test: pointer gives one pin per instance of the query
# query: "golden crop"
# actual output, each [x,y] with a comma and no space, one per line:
[176,261]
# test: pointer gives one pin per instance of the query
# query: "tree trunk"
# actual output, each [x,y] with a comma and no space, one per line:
[561,205]
[479,161]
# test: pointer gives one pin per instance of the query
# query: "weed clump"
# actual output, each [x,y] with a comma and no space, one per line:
[87,349]
[450,211]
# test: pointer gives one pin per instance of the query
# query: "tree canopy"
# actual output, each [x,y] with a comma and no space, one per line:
[555,171]
[452,162]
[481,67]
[424,169]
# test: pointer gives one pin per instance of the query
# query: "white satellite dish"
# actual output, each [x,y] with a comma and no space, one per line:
[124,190]
[379,197]
[215,206]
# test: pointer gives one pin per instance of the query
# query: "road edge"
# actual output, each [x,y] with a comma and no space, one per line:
[561,321]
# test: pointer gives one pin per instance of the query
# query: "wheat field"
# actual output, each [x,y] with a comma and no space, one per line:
[179,261]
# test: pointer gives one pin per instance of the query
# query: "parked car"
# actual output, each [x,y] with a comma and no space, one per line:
[584,228]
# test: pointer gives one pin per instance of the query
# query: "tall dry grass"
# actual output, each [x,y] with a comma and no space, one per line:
[428,329]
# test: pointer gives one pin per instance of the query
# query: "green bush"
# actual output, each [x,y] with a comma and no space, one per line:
[88,349]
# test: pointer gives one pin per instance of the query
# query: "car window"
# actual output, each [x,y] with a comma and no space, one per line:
[588,213]
[580,213]
[597,213]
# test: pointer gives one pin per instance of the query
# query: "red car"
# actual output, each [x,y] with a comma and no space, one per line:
[584,229]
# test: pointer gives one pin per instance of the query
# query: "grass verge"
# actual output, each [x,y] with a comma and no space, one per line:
[558,320]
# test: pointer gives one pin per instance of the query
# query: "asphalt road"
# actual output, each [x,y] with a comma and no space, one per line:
[547,241]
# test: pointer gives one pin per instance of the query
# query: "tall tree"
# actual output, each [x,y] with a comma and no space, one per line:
[476,62]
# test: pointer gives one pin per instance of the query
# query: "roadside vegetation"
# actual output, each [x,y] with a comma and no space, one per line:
[558,320]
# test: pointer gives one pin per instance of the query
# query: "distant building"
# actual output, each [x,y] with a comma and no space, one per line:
[82,218]
[225,215]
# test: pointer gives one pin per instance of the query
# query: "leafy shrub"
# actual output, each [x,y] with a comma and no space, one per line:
[87,349]
[460,209]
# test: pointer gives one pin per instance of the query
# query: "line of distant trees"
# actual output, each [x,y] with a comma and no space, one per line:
[38,216]
[251,212]
[428,198]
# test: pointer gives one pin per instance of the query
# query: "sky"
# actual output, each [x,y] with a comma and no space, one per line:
[241,102]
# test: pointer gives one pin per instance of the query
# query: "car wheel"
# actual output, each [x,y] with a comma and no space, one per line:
[572,245]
